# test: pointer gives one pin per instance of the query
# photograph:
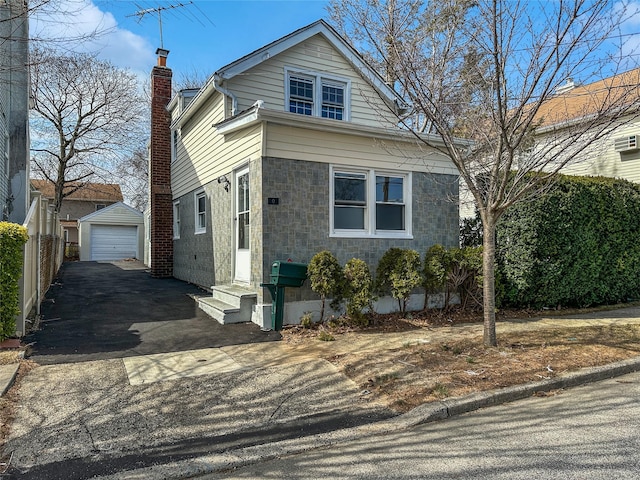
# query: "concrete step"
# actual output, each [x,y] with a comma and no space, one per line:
[233,294]
[229,303]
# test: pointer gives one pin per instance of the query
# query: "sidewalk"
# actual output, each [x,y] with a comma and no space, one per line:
[180,414]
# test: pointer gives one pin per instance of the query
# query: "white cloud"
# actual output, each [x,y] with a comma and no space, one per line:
[80,26]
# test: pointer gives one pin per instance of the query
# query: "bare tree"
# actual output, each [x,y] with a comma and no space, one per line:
[191,79]
[133,175]
[488,72]
[87,115]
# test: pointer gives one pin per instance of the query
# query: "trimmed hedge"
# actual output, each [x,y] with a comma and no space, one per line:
[576,245]
[12,238]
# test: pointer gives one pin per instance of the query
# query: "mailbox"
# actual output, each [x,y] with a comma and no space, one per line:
[288,274]
[283,274]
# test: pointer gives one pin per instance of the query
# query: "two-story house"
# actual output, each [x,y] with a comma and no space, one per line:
[292,149]
[615,154]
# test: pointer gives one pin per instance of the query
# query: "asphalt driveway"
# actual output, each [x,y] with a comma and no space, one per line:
[101,310]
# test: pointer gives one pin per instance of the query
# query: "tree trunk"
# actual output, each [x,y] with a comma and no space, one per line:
[489,282]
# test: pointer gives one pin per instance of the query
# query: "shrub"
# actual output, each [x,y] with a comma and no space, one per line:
[12,238]
[464,275]
[358,290]
[326,278]
[575,245]
[457,270]
[434,271]
[398,273]
[471,231]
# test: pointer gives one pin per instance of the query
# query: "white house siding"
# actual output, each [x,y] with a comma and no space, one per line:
[267,81]
[204,155]
[599,159]
[603,160]
[353,150]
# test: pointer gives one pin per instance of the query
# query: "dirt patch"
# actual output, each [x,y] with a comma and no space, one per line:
[413,374]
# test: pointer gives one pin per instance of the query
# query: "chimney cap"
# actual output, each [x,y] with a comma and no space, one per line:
[161,52]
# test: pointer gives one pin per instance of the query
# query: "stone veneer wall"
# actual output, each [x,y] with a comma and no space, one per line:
[222,221]
[193,254]
[298,227]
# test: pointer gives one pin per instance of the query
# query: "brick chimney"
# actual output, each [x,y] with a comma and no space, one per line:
[160,170]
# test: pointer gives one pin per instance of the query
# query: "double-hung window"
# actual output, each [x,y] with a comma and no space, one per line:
[201,212]
[301,95]
[176,219]
[174,145]
[332,100]
[314,94]
[390,203]
[370,203]
[349,201]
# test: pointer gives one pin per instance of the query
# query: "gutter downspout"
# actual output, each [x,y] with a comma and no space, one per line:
[217,84]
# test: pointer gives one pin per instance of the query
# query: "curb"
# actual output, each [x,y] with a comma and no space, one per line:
[431,412]
[7,376]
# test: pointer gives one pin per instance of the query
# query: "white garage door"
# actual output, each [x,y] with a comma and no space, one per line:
[113,242]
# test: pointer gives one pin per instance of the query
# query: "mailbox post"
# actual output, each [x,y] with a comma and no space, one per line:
[283,274]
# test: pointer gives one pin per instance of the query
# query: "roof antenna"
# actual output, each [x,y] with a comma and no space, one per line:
[148,11]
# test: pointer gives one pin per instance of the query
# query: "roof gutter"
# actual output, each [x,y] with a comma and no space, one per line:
[217,84]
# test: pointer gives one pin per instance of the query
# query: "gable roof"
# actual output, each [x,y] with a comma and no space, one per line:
[104,192]
[240,66]
[128,211]
[621,91]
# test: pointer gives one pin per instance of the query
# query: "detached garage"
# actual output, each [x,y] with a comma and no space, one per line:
[112,233]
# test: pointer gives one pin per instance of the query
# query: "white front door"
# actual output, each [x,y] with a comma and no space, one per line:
[242,227]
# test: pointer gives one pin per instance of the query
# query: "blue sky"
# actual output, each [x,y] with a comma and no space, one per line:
[201,37]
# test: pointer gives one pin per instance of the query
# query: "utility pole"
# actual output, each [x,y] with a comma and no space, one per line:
[148,11]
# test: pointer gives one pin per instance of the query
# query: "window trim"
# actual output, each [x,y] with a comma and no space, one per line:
[319,79]
[175,137]
[176,220]
[196,196]
[370,230]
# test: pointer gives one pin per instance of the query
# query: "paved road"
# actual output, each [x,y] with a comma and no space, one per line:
[99,311]
[590,432]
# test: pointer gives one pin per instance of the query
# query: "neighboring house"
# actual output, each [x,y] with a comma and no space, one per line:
[616,154]
[84,200]
[14,110]
[290,150]
[18,204]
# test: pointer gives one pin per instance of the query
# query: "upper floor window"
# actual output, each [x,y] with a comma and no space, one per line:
[332,101]
[300,95]
[315,94]
[100,206]
[368,203]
